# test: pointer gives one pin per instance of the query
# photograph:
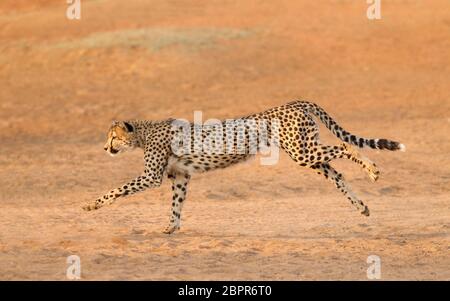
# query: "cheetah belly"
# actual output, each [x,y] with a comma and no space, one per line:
[200,163]
[178,165]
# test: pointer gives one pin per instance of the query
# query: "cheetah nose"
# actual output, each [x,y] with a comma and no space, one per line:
[105,148]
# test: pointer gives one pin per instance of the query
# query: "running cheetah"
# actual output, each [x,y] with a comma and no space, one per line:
[170,149]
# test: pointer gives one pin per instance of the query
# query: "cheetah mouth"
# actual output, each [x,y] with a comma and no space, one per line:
[113,151]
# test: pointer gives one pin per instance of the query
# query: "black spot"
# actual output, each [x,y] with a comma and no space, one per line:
[361,142]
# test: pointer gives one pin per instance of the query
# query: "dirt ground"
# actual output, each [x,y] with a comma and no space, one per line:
[63,81]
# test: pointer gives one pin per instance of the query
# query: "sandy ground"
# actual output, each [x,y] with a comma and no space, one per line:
[62,82]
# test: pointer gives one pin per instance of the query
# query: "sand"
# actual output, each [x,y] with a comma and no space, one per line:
[63,81]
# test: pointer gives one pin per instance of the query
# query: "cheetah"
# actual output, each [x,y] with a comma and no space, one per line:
[170,150]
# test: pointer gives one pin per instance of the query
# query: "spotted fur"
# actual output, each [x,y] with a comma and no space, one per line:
[298,135]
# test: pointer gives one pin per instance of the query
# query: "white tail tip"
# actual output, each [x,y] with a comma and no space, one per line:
[402,147]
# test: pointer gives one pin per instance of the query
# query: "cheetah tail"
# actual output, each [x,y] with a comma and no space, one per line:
[342,134]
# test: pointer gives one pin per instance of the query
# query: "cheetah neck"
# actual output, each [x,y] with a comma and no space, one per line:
[143,128]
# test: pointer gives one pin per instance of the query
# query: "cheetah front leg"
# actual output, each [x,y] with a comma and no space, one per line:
[138,184]
[179,189]
[338,180]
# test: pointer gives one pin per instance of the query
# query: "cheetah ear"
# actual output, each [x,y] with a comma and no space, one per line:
[128,126]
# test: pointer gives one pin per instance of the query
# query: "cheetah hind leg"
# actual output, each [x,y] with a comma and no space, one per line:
[370,167]
[338,180]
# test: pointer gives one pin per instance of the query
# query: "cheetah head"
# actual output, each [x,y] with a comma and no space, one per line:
[121,137]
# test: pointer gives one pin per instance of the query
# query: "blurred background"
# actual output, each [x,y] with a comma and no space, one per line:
[63,81]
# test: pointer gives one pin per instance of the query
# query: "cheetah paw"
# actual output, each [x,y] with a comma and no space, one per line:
[92,205]
[368,166]
[89,207]
[366,211]
[373,172]
[170,229]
